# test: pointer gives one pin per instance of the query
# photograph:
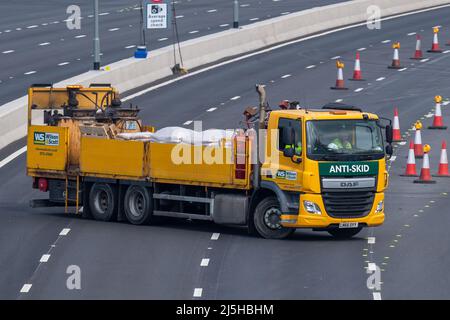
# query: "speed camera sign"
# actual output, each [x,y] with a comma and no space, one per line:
[157,15]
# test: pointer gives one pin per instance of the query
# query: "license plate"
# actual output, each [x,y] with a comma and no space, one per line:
[348,225]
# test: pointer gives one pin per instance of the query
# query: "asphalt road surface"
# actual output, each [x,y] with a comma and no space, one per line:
[36,46]
[166,261]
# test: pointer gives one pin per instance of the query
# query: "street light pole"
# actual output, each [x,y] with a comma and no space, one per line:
[96,38]
[236,14]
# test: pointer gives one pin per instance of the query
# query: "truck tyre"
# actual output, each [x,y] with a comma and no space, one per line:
[102,202]
[266,220]
[138,205]
[344,233]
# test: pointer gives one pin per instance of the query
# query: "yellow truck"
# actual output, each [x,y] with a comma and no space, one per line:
[322,169]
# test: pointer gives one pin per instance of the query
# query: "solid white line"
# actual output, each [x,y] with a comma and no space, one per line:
[44,258]
[211,109]
[376,296]
[187,123]
[215,236]
[380,79]
[11,157]
[286,76]
[198,292]
[235,98]
[371,240]
[44,43]
[246,56]
[204,263]
[29,72]
[26,288]
[64,232]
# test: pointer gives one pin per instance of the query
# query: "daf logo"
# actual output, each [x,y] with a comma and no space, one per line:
[352,184]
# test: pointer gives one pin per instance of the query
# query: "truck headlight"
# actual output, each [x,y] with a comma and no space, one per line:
[311,207]
[379,207]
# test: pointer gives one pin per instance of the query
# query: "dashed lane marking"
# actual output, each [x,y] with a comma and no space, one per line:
[198,292]
[235,98]
[371,240]
[425,60]
[204,262]
[63,63]
[359,89]
[403,69]
[211,109]
[376,296]
[215,236]
[380,79]
[30,72]
[187,123]
[285,76]
[44,44]
[311,66]
[26,288]
[64,232]
[8,51]
[386,41]
[44,258]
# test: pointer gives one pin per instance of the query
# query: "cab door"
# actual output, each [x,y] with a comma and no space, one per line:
[285,171]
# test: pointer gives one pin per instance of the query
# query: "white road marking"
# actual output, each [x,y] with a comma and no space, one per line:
[403,69]
[64,232]
[44,258]
[179,17]
[446,51]
[254,19]
[359,89]
[211,109]
[63,63]
[245,5]
[80,36]
[376,296]
[187,123]
[235,98]
[393,158]
[402,143]
[215,236]
[285,76]
[276,47]
[198,292]
[412,33]
[371,240]
[26,288]
[445,103]
[386,41]
[425,60]
[380,79]
[29,72]
[339,100]
[204,263]
[362,49]
[114,29]
[104,14]
[212,10]
[8,51]
[372,266]
[193,31]
[163,39]
[32,27]
[335,58]
[7,31]
[224,25]
[285,13]
[311,66]
[44,44]
[11,157]
[131,46]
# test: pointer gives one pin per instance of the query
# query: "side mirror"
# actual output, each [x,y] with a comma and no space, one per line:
[389,150]
[389,134]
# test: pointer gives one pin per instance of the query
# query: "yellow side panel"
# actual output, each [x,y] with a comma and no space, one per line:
[112,157]
[47,148]
[165,164]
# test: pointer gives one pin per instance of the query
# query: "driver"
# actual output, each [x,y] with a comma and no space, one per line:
[342,141]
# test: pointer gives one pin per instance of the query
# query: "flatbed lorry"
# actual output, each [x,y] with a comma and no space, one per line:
[322,169]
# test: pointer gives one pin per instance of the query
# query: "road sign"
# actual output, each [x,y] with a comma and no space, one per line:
[157,14]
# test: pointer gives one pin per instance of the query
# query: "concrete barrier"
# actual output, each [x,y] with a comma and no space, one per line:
[131,73]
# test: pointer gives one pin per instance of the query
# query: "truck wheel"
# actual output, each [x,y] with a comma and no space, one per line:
[267,220]
[102,199]
[138,205]
[344,233]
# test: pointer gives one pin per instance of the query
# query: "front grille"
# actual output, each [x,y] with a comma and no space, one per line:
[353,204]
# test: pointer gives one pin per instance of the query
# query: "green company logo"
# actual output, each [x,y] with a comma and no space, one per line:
[348,169]
[46,139]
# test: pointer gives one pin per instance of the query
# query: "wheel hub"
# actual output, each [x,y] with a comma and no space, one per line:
[272,218]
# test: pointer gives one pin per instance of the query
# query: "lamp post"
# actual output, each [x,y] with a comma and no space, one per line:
[236,14]
[96,38]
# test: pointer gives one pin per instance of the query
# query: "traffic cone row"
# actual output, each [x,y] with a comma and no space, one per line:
[396,64]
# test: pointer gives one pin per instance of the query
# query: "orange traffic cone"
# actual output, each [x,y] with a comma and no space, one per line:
[396,60]
[425,175]
[435,47]
[340,85]
[418,55]
[396,127]
[418,148]
[357,75]
[411,170]
[443,163]
[438,123]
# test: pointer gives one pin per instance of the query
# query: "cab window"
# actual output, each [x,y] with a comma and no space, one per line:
[286,124]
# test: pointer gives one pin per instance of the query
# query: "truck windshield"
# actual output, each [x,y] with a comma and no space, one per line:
[344,140]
